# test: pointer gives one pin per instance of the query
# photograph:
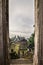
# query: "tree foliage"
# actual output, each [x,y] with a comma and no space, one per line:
[31,40]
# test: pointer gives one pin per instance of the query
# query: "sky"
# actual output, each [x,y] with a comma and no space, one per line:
[21,17]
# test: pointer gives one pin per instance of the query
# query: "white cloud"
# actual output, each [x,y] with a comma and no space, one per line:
[21,15]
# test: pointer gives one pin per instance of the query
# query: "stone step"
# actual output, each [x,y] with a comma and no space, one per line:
[21,61]
[21,64]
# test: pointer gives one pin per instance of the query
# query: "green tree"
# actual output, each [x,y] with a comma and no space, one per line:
[31,40]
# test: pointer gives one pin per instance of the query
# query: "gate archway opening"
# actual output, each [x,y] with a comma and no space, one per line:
[21,21]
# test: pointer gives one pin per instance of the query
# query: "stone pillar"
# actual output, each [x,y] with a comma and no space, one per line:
[41,32]
[4,32]
[38,54]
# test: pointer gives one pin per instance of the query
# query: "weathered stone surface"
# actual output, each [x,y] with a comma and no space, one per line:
[1,35]
[4,32]
[38,55]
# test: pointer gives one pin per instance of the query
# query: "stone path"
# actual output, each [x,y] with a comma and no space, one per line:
[21,62]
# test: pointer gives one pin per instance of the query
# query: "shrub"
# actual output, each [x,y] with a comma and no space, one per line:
[14,55]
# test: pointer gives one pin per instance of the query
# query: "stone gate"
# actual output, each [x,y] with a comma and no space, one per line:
[4,32]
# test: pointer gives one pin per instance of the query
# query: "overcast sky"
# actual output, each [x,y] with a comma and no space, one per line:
[21,17]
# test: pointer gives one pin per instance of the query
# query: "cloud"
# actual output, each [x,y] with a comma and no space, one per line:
[21,15]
